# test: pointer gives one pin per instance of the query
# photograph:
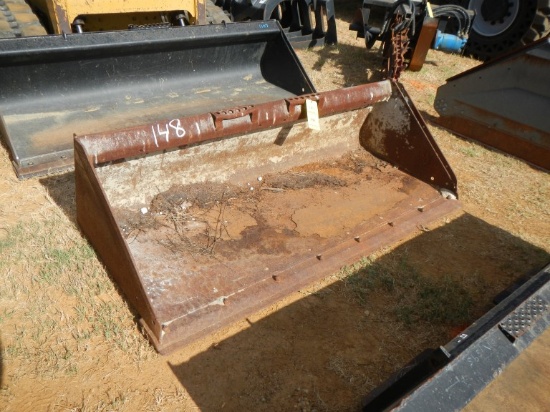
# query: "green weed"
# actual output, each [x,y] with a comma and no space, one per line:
[470,151]
[7,314]
[411,297]
[442,301]
[11,237]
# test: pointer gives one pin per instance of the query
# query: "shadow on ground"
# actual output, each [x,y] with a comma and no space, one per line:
[1,364]
[326,351]
[62,190]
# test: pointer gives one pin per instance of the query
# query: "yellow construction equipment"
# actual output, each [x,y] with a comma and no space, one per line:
[68,16]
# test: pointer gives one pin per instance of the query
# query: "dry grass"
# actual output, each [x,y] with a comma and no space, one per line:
[63,301]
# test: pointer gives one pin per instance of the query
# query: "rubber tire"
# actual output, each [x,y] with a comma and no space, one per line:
[532,23]
[18,20]
[216,14]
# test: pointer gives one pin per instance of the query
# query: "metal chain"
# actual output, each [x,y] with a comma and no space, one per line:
[395,49]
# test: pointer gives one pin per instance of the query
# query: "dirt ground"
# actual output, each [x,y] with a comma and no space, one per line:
[70,342]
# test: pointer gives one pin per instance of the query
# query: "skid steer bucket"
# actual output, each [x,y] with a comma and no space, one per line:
[56,86]
[504,103]
[204,219]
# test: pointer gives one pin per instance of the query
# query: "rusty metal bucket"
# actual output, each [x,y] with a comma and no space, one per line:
[53,87]
[504,103]
[204,219]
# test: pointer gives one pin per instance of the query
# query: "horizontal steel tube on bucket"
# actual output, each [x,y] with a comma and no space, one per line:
[174,133]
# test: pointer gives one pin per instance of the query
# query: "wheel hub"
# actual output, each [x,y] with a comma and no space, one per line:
[493,17]
[495,11]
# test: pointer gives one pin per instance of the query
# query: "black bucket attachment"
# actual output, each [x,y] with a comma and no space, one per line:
[504,103]
[54,87]
[307,23]
[203,220]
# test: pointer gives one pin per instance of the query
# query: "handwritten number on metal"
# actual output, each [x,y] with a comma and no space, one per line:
[176,125]
[165,130]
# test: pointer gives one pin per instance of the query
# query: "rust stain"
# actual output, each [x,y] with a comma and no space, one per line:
[64,25]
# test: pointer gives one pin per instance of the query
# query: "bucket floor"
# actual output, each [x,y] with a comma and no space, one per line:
[205,246]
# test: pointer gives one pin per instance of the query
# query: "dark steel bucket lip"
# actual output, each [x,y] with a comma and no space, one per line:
[26,49]
[536,48]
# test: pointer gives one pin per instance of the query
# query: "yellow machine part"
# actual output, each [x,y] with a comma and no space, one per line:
[102,15]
